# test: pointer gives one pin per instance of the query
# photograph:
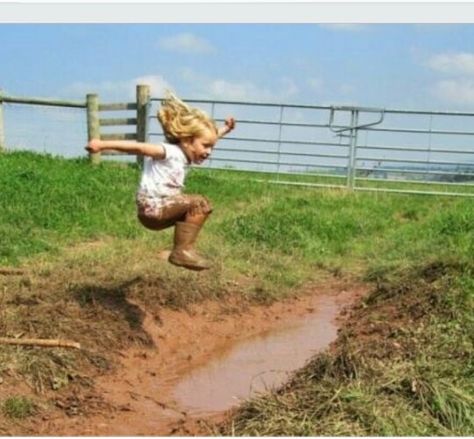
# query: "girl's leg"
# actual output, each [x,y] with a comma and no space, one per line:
[197,219]
[188,213]
[185,235]
[193,209]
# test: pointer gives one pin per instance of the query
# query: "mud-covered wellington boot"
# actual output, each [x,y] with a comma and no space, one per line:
[183,253]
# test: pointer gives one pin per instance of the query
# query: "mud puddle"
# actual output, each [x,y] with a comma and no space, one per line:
[259,364]
[208,360]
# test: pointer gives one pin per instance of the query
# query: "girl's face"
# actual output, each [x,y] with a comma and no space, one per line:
[199,148]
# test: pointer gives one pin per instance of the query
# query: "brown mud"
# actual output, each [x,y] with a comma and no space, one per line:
[202,364]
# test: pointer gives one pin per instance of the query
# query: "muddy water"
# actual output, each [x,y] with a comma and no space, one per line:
[206,361]
[259,364]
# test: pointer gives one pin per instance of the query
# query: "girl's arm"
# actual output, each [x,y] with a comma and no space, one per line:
[126,146]
[229,126]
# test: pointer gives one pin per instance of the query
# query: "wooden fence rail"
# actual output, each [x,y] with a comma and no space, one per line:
[41,101]
[94,122]
[31,101]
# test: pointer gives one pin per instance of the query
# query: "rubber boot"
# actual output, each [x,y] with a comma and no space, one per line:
[183,253]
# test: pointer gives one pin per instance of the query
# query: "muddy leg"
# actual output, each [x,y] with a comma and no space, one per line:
[187,213]
[186,232]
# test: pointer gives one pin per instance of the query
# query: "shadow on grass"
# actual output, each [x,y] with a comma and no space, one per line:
[114,299]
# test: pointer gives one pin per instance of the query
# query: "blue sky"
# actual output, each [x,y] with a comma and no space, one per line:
[416,66]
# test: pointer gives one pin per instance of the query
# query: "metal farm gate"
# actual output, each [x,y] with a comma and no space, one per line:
[359,148]
[366,149]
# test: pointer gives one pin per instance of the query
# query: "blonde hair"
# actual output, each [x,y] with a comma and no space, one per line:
[180,121]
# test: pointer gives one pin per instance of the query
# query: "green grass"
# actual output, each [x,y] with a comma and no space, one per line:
[403,366]
[46,203]
[18,407]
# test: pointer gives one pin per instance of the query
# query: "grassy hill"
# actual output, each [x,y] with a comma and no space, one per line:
[402,366]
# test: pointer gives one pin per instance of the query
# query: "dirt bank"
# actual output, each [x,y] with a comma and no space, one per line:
[138,398]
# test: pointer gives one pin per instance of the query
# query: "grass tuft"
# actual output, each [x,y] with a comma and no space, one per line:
[18,407]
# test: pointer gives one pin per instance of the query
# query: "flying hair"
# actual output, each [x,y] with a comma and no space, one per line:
[181,121]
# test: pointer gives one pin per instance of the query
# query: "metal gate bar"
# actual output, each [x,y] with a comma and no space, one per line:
[410,151]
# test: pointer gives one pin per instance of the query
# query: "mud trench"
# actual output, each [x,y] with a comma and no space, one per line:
[206,361]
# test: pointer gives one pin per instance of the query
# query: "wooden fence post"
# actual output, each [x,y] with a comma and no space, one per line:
[2,126]
[143,101]
[93,126]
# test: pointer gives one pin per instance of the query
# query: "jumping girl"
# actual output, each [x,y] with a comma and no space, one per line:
[191,136]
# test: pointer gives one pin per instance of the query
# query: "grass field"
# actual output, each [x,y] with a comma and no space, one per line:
[403,366]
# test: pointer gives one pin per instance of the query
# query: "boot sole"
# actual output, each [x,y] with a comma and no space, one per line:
[189,267]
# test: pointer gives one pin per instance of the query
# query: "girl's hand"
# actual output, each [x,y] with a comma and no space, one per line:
[230,123]
[94,146]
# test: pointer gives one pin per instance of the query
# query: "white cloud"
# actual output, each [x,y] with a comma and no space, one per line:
[455,91]
[187,74]
[220,88]
[249,91]
[346,89]
[347,27]
[117,90]
[453,63]
[458,88]
[157,84]
[198,87]
[186,43]
[288,87]
[80,89]
[316,84]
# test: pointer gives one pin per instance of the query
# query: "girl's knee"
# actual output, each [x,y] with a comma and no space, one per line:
[155,223]
[200,205]
[176,209]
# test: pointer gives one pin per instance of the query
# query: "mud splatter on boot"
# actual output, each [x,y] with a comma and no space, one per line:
[183,253]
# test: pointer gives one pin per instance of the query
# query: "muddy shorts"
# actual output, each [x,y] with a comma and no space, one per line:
[161,212]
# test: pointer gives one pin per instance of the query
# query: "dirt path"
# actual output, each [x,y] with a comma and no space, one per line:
[139,396]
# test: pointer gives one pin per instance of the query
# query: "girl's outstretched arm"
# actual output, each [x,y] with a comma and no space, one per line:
[126,146]
[228,127]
